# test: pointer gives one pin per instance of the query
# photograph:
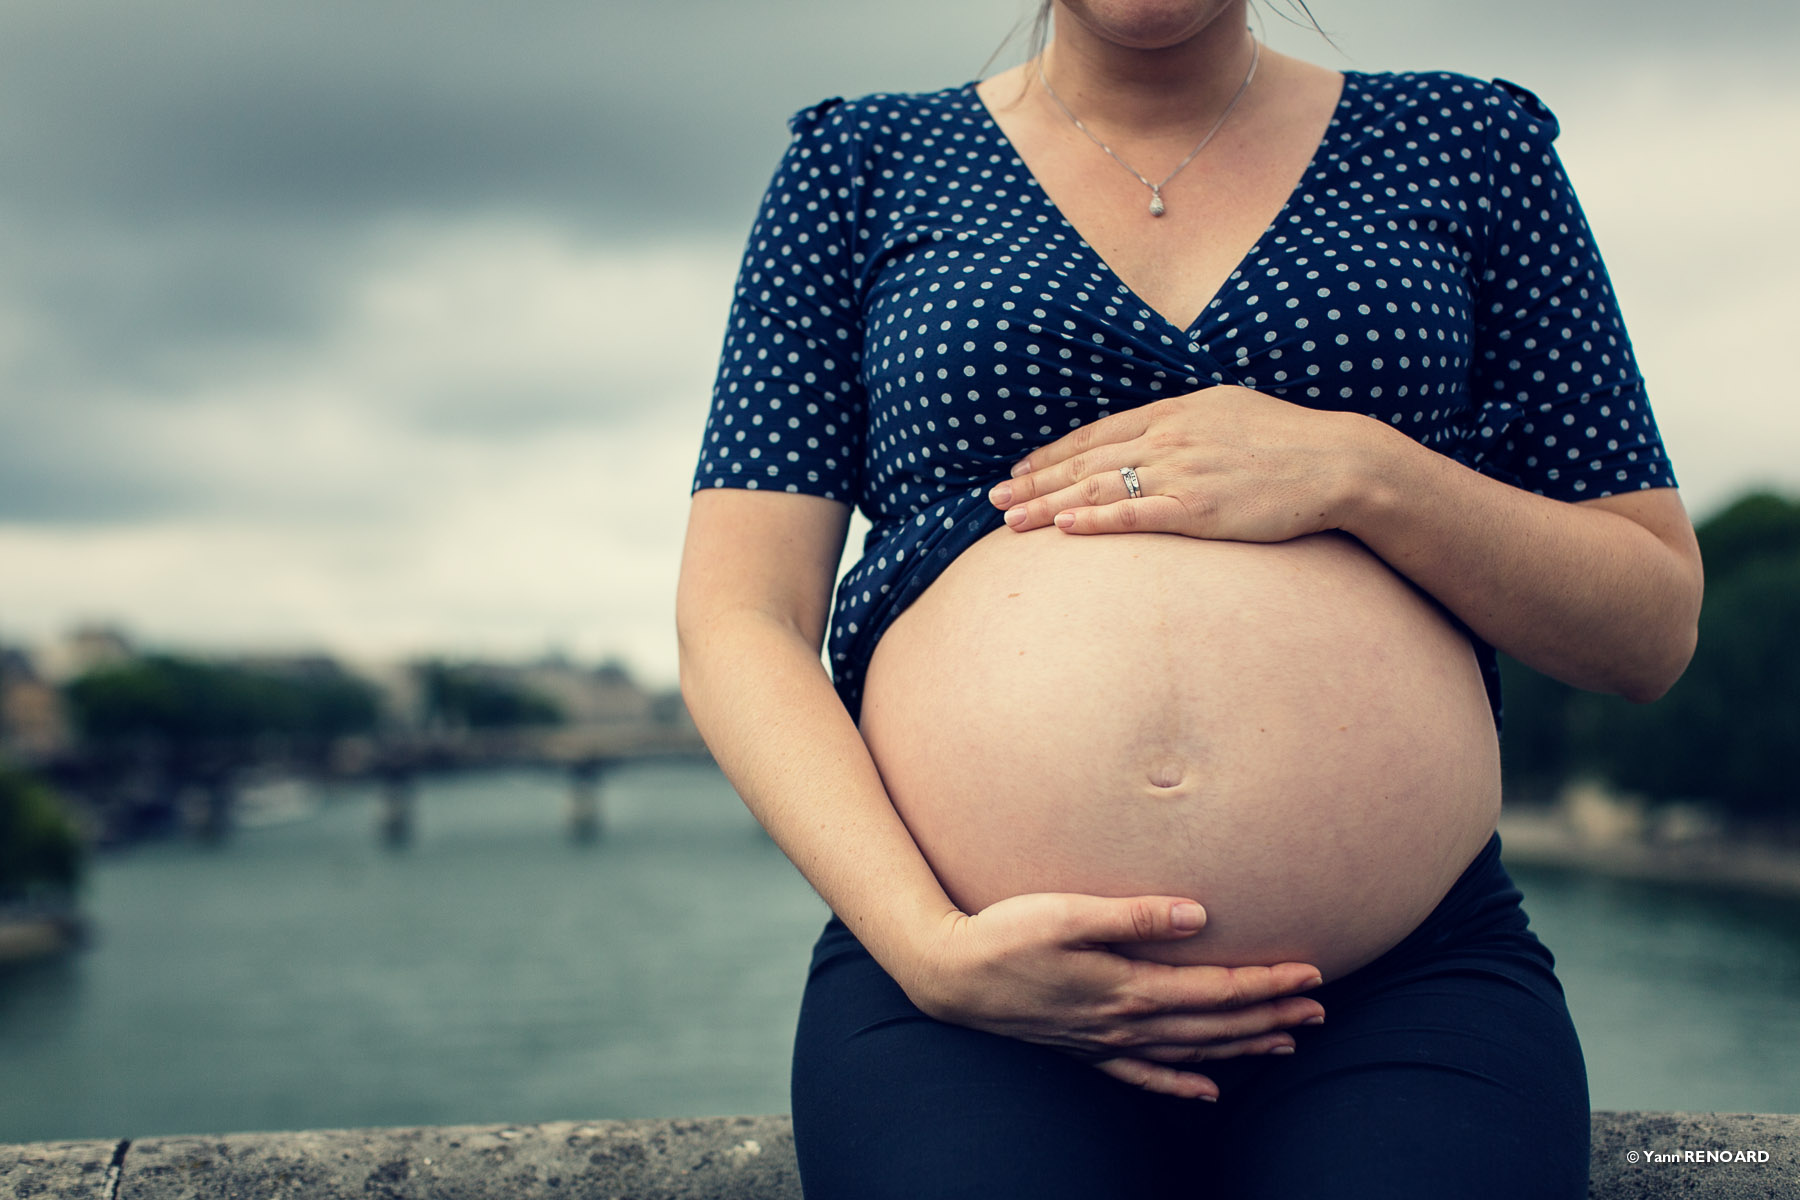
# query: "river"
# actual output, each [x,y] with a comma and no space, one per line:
[302,975]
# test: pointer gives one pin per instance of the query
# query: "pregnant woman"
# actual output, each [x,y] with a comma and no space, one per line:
[1216,415]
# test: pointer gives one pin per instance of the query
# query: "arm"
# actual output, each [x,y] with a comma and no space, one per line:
[751,611]
[1602,594]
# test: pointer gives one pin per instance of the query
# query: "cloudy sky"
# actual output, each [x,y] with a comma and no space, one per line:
[386,327]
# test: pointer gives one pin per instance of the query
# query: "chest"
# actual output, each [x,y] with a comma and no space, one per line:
[993,323]
[1214,209]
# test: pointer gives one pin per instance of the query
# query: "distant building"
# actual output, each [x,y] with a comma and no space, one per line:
[603,695]
[398,685]
[33,722]
[82,649]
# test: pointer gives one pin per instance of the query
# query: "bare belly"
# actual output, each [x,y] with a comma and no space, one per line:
[1290,734]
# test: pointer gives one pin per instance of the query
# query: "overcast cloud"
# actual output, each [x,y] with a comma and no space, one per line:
[389,327]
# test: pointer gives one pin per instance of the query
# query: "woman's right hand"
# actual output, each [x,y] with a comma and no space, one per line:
[1042,968]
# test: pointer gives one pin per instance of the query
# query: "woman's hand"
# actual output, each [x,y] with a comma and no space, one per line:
[1603,594]
[1042,968]
[1227,463]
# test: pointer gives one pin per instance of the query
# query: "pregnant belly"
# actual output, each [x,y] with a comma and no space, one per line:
[1290,734]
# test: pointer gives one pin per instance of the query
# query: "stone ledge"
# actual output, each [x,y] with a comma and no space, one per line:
[725,1158]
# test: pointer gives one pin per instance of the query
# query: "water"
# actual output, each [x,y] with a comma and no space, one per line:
[1685,998]
[302,976]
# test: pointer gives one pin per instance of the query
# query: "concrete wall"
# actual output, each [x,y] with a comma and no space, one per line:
[725,1158]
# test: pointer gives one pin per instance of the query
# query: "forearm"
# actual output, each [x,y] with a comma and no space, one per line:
[767,710]
[1583,594]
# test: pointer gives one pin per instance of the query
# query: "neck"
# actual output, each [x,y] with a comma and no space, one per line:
[1149,89]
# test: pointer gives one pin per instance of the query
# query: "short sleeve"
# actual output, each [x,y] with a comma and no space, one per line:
[788,408]
[1560,407]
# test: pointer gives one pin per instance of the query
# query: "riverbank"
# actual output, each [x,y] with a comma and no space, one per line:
[27,936]
[1594,830]
[24,940]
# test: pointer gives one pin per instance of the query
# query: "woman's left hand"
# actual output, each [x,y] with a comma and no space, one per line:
[1226,463]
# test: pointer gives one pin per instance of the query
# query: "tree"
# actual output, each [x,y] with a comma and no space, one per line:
[465,697]
[1729,730]
[165,698]
[41,848]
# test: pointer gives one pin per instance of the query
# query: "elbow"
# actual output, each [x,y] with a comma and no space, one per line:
[1657,675]
[1669,652]
[690,638]
[688,679]
[694,680]
[687,664]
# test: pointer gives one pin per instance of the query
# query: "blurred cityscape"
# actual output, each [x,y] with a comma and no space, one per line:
[104,743]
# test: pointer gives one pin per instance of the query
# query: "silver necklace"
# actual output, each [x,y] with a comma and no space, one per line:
[1157,208]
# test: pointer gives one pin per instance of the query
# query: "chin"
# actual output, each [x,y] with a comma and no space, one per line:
[1147,24]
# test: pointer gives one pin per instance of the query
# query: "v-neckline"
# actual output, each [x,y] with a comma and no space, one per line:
[1332,130]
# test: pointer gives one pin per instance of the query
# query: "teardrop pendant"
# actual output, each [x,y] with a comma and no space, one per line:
[1156,204]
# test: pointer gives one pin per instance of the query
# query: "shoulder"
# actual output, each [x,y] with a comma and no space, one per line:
[880,112]
[868,138]
[1462,104]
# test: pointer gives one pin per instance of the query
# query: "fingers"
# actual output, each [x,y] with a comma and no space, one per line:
[1151,514]
[1153,1077]
[1161,987]
[1087,479]
[1094,920]
[1098,502]
[1273,1043]
[1119,427]
[1198,1032]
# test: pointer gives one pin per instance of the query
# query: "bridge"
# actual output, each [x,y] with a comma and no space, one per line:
[586,753]
[128,787]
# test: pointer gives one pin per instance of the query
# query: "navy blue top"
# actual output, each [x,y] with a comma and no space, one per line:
[914,315]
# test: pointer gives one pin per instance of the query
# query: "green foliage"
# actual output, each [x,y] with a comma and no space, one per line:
[1728,732]
[40,843]
[1756,528]
[1730,729]
[1537,743]
[470,698]
[167,698]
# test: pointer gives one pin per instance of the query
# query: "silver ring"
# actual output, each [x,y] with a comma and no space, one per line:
[1132,488]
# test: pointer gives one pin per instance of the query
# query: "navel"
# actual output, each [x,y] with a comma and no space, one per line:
[1168,773]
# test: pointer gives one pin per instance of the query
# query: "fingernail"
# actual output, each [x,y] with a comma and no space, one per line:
[1001,496]
[1015,516]
[1281,1050]
[1187,916]
[1019,468]
[1065,520]
[1313,1021]
[1208,1097]
[1314,982]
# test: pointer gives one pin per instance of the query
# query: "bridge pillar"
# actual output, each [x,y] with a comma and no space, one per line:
[584,799]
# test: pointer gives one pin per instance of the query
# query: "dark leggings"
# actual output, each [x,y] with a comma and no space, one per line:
[1446,1067]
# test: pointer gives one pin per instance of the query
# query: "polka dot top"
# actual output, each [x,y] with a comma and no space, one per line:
[913,316]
